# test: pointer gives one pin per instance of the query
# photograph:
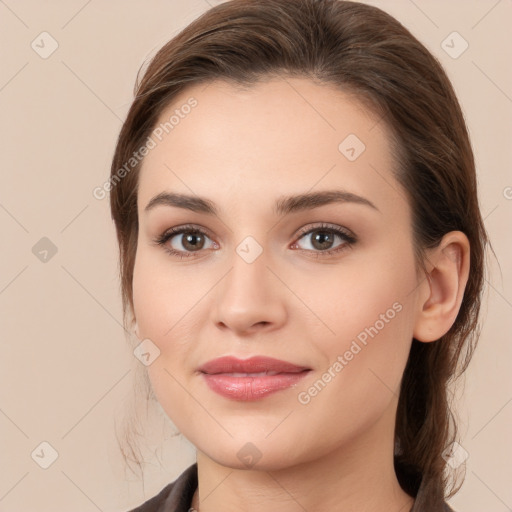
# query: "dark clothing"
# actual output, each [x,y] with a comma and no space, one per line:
[177,497]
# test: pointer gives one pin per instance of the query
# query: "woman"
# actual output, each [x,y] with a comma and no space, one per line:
[302,254]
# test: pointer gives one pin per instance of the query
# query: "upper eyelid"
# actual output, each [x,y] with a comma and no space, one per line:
[326,226]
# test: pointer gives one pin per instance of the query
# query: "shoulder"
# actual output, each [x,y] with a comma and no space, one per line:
[174,497]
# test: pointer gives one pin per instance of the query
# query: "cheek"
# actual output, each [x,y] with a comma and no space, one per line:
[361,378]
[363,301]
[167,305]
[161,296]
[372,314]
[161,302]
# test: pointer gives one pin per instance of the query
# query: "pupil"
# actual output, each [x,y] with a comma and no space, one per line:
[323,237]
[189,240]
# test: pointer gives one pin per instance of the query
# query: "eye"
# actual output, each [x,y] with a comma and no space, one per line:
[323,239]
[184,241]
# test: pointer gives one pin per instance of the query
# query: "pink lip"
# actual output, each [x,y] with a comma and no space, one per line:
[246,388]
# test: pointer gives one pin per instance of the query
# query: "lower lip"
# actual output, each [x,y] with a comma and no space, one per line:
[251,388]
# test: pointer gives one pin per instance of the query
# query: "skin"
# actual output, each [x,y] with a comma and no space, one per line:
[244,149]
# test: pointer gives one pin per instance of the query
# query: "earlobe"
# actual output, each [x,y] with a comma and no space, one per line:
[443,290]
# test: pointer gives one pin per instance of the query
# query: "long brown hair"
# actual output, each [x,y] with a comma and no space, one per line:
[362,50]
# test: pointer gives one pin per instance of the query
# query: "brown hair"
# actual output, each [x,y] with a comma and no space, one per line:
[361,50]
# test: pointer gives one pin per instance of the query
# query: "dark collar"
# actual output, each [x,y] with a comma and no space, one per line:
[177,496]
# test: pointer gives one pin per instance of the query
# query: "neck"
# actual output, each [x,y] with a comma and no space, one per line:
[356,477]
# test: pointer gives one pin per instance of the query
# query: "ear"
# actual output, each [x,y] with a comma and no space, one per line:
[442,291]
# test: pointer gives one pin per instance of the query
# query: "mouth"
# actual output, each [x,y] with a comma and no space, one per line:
[253,365]
[259,374]
[250,379]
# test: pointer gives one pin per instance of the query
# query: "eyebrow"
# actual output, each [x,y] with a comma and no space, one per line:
[283,205]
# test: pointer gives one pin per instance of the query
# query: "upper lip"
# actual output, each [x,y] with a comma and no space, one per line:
[255,364]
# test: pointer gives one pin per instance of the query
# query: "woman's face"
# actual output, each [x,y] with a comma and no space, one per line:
[327,284]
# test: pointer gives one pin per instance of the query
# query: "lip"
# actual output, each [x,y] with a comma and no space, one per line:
[231,377]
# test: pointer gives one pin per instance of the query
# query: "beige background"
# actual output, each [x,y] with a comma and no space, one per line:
[66,370]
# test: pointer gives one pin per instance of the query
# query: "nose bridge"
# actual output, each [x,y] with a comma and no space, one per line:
[248,277]
[248,295]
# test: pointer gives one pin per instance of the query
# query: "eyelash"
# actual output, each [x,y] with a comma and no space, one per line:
[348,238]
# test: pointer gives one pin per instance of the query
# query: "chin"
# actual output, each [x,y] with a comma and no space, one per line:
[250,460]
[251,453]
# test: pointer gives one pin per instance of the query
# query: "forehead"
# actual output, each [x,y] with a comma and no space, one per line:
[282,135]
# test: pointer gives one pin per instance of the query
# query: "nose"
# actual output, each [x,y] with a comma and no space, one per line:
[250,298]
